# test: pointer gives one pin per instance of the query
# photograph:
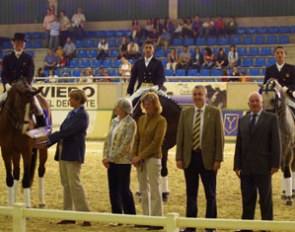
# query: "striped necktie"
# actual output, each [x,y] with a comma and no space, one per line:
[197,131]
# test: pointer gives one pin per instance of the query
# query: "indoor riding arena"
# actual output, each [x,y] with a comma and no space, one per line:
[95,46]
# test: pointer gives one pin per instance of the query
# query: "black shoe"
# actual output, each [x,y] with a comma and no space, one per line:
[141,226]
[40,121]
[165,197]
[188,230]
[66,222]
[155,228]
[86,224]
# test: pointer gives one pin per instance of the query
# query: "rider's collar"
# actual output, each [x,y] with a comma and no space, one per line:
[280,66]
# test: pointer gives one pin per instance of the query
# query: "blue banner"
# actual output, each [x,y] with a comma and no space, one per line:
[230,121]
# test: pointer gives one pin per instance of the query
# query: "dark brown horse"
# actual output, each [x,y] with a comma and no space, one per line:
[15,118]
[171,112]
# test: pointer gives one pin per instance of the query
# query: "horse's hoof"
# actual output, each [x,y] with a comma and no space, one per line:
[283,197]
[42,205]
[165,197]
[289,201]
[293,195]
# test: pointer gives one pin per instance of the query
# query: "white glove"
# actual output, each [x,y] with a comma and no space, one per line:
[285,89]
[7,87]
[155,88]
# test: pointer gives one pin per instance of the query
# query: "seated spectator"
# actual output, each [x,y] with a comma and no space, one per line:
[197,59]
[146,30]
[172,60]
[235,73]
[221,59]
[50,60]
[40,73]
[123,48]
[87,77]
[169,26]
[208,58]
[154,36]
[103,49]
[187,29]
[103,73]
[233,57]
[132,50]
[158,25]
[207,28]
[244,78]
[135,29]
[184,59]
[59,52]
[196,26]
[164,39]
[224,75]
[125,69]
[219,26]
[69,50]
[178,31]
[231,26]
[52,77]
[62,62]
[54,34]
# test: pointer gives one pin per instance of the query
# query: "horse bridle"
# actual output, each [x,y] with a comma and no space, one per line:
[278,109]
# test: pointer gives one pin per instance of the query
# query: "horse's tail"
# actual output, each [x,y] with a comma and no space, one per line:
[33,165]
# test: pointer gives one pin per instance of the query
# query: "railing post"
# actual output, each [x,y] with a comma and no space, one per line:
[171,222]
[19,221]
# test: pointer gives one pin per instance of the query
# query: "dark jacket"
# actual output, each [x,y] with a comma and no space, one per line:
[260,151]
[286,77]
[154,73]
[15,68]
[72,134]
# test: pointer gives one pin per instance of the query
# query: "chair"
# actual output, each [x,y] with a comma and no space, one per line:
[266,51]
[247,62]
[66,71]
[259,62]
[235,40]
[81,54]
[114,53]
[242,51]
[283,39]
[90,43]
[164,62]
[84,64]
[262,30]
[74,63]
[211,41]
[109,34]
[254,72]
[192,72]
[251,30]
[76,73]
[188,42]
[28,44]
[223,41]
[107,63]
[205,72]
[247,40]
[31,53]
[91,53]
[160,53]
[271,61]
[112,43]
[259,39]
[292,29]
[216,72]
[180,72]
[169,72]
[284,30]
[200,41]
[119,34]
[116,64]
[79,44]
[253,51]
[37,44]
[95,64]
[273,30]
[271,39]
[177,42]
[241,31]
[113,72]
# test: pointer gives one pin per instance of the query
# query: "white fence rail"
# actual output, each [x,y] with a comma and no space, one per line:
[172,222]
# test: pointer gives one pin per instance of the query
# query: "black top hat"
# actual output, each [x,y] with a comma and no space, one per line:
[19,36]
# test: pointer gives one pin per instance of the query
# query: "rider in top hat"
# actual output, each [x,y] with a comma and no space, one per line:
[284,73]
[19,64]
[148,71]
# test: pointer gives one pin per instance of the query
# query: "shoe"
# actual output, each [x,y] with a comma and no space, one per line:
[210,230]
[141,226]
[66,222]
[155,228]
[86,224]
[188,230]
[165,197]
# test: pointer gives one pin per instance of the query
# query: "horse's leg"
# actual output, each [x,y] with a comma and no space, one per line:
[293,174]
[286,168]
[164,174]
[27,158]
[16,173]
[43,154]
[9,177]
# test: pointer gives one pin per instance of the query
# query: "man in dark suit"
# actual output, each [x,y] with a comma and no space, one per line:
[257,157]
[284,73]
[147,71]
[200,141]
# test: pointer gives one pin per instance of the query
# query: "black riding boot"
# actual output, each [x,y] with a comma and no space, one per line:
[40,120]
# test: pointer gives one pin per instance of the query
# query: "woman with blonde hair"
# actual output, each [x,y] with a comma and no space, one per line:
[147,154]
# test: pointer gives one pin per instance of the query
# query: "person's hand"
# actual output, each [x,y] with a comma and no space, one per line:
[273,170]
[238,172]
[135,160]
[41,143]
[180,164]
[106,163]
[216,166]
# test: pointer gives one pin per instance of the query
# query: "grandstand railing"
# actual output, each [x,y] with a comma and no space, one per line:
[172,222]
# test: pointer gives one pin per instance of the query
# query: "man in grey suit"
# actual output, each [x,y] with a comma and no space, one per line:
[200,141]
[257,157]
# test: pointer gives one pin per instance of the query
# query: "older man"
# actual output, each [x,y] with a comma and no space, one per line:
[257,157]
[200,141]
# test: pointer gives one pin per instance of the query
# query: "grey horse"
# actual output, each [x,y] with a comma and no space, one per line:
[274,100]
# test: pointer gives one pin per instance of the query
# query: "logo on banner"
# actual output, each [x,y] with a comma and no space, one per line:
[230,122]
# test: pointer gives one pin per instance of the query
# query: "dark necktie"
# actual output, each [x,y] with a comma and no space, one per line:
[253,123]
[197,131]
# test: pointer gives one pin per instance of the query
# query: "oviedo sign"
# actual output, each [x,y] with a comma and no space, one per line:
[57,95]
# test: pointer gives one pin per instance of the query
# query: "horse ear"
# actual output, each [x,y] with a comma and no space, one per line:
[35,92]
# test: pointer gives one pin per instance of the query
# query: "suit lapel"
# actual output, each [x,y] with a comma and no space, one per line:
[205,122]
[190,118]
[259,122]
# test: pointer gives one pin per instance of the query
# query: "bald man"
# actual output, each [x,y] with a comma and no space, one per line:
[257,157]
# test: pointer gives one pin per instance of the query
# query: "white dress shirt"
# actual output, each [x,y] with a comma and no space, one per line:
[202,120]
[18,54]
[257,116]
[280,66]
[147,61]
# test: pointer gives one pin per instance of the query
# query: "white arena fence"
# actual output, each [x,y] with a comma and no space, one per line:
[172,222]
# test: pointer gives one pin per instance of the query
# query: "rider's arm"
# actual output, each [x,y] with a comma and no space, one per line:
[161,75]
[132,80]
